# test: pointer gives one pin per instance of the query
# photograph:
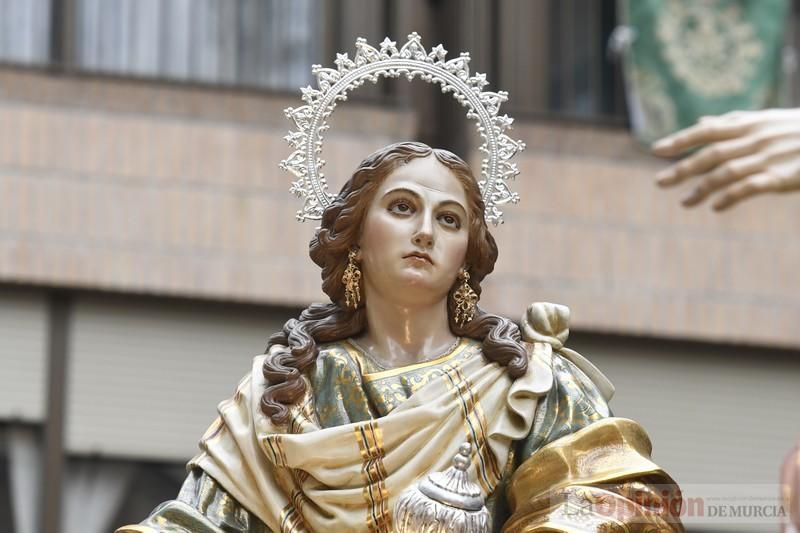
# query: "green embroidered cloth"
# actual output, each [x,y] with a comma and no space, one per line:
[690,58]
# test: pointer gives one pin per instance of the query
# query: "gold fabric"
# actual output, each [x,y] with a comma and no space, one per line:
[364,434]
[201,507]
[600,478]
[308,477]
[349,386]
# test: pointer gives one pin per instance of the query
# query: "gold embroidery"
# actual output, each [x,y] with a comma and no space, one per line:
[340,399]
[370,443]
[291,521]
[290,481]
[475,427]
[274,446]
[410,368]
[344,394]
[301,476]
[389,392]
[302,415]
[298,500]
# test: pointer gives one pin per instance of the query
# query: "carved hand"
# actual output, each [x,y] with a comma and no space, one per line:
[744,153]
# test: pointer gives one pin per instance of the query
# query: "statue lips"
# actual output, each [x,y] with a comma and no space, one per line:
[419,255]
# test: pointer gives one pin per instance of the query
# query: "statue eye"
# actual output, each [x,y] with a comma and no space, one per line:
[450,220]
[402,207]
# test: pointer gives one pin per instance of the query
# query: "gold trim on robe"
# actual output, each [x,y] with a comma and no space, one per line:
[361,436]
[599,478]
[263,466]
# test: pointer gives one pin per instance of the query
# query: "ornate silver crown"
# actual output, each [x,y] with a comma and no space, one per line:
[411,60]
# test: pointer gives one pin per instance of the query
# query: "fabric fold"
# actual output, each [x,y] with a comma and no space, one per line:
[597,478]
[348,477]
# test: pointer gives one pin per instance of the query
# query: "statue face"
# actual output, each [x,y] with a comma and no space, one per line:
[415,234]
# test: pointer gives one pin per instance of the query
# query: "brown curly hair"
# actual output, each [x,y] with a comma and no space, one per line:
[338,234]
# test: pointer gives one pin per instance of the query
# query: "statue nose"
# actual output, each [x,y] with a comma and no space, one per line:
[423,240]
[423,237]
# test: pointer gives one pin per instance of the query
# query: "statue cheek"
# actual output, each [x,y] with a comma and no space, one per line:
[384,228]
[375,233]
[455,257]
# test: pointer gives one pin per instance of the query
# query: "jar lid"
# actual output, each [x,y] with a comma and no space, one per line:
[453,487]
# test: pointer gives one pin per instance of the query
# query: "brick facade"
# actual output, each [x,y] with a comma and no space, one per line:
[134,187]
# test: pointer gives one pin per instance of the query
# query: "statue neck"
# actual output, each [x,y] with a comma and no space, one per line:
[400,334]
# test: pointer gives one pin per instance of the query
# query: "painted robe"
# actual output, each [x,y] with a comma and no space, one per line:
[549,454]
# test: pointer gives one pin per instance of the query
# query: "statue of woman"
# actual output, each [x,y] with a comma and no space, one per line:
[359,398]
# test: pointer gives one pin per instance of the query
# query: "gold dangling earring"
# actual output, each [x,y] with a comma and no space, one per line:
[465,299]
[352,282]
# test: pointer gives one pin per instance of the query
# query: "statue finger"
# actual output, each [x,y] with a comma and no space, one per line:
[725,174]
[705,160]
[786,175]
[782,161]
[705,132]
[785,154]
[753,185]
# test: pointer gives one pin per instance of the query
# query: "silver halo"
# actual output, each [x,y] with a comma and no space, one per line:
[412,60]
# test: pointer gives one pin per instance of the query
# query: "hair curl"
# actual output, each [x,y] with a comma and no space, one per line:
[339,232]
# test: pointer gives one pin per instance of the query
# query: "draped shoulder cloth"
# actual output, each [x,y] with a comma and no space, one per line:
[545,446]
[597,478]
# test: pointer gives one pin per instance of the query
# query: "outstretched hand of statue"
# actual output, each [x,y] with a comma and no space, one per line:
[741,154]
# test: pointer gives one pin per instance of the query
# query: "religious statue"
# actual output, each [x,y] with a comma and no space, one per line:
[402,380]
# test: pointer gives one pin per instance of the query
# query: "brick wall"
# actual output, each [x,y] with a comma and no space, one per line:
[166,189]
[593,232]
[161,189]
